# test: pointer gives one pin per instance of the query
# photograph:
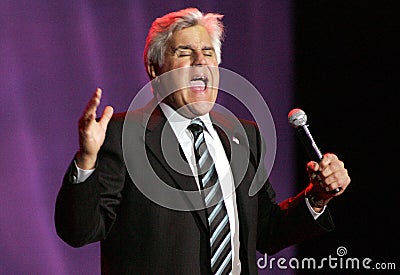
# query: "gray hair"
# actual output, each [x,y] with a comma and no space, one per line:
[164,27]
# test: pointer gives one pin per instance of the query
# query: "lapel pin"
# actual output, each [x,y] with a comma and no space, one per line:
[235,140]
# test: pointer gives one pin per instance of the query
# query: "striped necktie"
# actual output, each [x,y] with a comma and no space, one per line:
[220,235]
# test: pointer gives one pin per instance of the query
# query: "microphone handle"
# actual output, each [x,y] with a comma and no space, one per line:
[311,147]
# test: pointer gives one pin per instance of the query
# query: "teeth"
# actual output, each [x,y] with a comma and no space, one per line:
[200,82]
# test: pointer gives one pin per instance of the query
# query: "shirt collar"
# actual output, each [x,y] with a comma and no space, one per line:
[179,123]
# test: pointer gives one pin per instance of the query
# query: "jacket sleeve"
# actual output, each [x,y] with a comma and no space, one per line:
[85,212]
[290,222]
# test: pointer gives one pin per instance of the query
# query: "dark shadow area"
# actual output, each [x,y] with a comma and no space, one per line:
[347,73]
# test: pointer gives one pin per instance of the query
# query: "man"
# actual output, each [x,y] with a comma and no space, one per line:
[105,193]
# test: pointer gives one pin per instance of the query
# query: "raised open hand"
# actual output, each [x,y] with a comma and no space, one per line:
[92,132]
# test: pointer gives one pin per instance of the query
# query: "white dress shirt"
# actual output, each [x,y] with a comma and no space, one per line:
[185,138]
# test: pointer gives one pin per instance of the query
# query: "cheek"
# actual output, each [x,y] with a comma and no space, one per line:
[178,99]
[175,64]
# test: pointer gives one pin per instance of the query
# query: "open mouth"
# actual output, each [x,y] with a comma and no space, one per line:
[199,82]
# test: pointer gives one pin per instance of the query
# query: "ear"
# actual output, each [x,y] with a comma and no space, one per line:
[152,71]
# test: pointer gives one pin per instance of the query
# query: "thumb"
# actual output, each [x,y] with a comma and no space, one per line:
[312,168]
[106,116]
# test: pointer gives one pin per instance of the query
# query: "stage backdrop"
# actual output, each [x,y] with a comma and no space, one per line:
[53,54]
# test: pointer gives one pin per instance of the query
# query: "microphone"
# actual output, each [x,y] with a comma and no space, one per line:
[298,119]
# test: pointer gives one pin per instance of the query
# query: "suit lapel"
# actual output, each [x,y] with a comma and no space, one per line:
[161,141]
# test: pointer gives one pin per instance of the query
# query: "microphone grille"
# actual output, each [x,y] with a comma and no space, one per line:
[297,117]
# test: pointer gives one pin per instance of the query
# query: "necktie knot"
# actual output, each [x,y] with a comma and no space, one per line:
[196,126]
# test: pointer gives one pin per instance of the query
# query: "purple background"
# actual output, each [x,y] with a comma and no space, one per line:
[53,54]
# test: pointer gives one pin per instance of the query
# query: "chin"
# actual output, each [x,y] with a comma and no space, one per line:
[200,108]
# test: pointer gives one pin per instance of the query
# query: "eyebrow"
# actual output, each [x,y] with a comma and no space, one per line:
[189,47]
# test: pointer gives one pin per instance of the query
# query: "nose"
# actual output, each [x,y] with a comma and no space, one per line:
[199,58]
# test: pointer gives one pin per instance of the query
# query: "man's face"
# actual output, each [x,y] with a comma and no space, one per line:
[196,82]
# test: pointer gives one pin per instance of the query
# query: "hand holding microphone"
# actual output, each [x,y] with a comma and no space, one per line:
[331,172]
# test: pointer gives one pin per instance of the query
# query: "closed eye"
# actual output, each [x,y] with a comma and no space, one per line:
[183,51]
[208,52]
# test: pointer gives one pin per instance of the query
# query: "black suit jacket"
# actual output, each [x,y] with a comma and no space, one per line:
[138,236]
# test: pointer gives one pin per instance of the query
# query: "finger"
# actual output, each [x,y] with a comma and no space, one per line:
[106,116]
[334,188]
[330,156]
[341,178]
[91,107]
[332,167]
[327,159]
[85,121]
[333,174]
[312,166]
[312,169]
